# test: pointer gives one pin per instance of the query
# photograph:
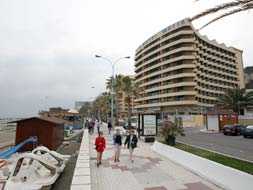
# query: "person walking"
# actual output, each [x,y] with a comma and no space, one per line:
[131,142]
[86,124]
[97,124]
[117,141]
[109,127]
[91,126]
[71,129]
[100,147]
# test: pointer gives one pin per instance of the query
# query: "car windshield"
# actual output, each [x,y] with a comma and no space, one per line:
[249,127]
[228,126]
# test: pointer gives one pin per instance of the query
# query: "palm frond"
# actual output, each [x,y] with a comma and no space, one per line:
[249,6]
[238,3]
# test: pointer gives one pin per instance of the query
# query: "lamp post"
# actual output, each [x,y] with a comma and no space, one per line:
[112,87]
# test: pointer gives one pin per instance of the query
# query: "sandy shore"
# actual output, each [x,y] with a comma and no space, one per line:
[7,138]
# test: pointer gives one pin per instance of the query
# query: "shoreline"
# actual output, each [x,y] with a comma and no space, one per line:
[7,139]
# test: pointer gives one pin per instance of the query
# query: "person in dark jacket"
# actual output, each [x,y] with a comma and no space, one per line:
[109,127]
[131,142]
[117,141]
[100,147]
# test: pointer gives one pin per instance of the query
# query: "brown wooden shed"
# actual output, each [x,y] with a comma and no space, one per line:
[48,130]
[216,119]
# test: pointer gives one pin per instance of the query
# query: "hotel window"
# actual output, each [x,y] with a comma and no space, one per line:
[179,71]
[169,82]
[180,98]
[180,89]
[153,101]
[170,99]
[169,90]
[180,80]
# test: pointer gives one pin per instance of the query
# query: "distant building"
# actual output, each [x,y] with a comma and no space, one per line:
[180,70]
[123,105]
[66,115]
[248,77]
[79,104]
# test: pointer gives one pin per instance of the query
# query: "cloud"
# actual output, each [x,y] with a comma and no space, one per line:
[47,46]
[64,78]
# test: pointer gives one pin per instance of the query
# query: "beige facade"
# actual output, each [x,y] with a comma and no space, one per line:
[123,105]
[179,69]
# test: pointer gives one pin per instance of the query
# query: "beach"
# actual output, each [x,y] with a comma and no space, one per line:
[7,133]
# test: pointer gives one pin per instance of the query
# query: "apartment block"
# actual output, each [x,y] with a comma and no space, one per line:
[180,70]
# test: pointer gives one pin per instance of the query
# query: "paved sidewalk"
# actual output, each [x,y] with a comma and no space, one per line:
[149,171]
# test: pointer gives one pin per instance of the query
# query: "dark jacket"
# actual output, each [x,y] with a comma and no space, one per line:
[117,139]
[133,143]
[109,125]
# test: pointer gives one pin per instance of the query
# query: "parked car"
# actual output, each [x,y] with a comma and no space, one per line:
[232,129]
[248,131]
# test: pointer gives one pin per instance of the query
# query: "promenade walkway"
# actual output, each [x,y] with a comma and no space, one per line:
[149,171]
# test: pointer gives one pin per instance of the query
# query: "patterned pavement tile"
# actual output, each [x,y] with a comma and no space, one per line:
[196,186]
[148,172]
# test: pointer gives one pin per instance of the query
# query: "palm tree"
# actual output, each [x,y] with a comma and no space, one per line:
[131,89]
[233,6]
[235,99]
[85,109]
[169,131]
[101,106]
[117,91]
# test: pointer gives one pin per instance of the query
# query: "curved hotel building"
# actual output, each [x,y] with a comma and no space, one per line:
[179,69]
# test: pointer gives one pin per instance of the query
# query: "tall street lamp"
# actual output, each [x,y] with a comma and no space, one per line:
[112,87]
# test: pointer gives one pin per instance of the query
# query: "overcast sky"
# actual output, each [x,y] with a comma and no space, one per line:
[47,47]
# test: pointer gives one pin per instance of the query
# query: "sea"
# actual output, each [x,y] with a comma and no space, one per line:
[6,126]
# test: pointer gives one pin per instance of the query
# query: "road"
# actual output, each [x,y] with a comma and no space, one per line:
[236,146]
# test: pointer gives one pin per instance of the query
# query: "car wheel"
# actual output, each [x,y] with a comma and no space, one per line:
[244,136]
[225,133]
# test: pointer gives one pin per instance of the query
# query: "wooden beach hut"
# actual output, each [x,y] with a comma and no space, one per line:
[48,130]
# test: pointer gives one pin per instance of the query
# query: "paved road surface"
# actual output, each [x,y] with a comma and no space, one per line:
[232,145]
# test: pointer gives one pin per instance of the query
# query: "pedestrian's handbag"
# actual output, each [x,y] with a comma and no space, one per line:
[96,147]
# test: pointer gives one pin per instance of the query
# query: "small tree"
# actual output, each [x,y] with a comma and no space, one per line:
[131,90]
[235,99]
[169,131]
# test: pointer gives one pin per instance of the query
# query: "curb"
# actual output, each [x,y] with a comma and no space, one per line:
[224,176]
[82,174]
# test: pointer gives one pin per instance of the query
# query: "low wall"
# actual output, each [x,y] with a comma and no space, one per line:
[82,176]
[219,174]
[245,121]
[191,120]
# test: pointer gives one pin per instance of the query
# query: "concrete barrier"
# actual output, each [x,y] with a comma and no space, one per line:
[219,174]
[82,176]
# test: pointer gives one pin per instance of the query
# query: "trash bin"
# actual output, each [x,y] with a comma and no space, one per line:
[66,133]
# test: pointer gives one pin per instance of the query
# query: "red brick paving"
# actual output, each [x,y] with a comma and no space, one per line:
[196,186]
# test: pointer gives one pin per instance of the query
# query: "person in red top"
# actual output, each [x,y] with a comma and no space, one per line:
[100,147]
